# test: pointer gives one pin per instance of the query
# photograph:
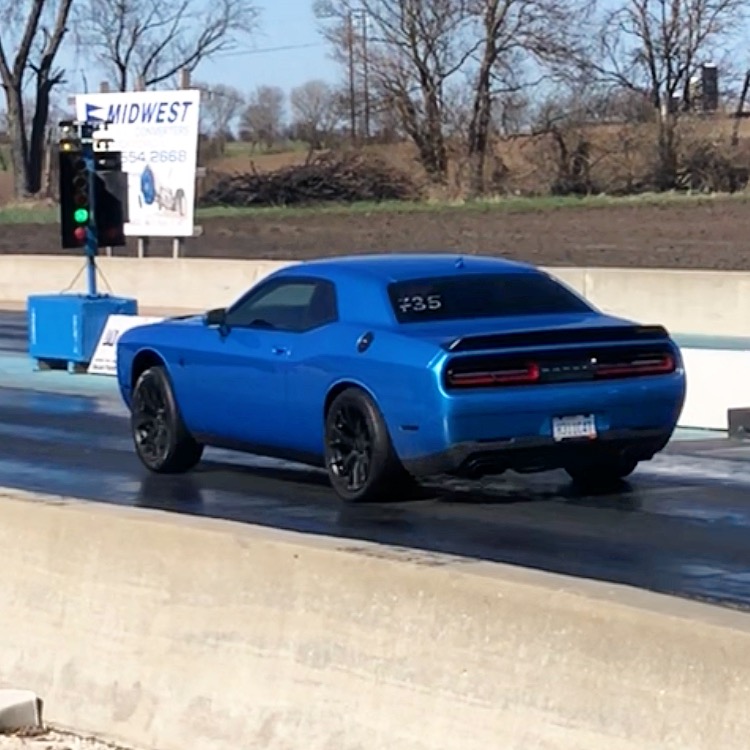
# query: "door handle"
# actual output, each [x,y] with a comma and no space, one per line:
[280,350]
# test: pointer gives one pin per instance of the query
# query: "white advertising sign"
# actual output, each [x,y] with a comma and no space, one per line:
[104,361]
[157,133]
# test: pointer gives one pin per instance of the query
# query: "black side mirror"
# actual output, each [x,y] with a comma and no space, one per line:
[217,317]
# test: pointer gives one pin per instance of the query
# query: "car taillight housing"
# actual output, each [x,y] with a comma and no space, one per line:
[645,365]
[558,367]
[505,376]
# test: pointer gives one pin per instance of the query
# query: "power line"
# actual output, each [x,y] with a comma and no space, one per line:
[265,50]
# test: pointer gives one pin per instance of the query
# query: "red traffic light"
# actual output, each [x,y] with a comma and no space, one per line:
[80,233]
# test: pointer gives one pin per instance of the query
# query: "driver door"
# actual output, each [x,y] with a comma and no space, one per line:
[248,369]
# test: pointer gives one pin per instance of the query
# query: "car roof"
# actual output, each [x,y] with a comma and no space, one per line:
[390,267]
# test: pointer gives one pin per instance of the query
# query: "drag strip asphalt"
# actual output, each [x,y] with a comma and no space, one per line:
[13,331]
[680,526]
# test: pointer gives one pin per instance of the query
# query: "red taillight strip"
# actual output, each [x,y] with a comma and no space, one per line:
[515,376]
[656,366]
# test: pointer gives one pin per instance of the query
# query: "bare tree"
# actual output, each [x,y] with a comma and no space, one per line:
[263,118]
[3,136]
[416,46]
[315,112]
[511,113]
[152,40]
[42,25]
[221,105]
[655,47]
[512,33]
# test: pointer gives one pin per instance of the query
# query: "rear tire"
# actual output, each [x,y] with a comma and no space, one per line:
[162,442]
[604,473]
[359,456]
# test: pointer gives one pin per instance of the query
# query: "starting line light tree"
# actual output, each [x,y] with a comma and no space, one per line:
[93,189]
[64,329]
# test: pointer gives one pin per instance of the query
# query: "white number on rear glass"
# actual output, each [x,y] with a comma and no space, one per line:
[420,303]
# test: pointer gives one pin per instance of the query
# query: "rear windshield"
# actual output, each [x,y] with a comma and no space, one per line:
[481,296]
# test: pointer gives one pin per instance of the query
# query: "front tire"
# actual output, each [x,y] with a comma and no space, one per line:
[361,462]
[162,442]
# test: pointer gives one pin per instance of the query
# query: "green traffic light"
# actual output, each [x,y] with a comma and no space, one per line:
[81,215]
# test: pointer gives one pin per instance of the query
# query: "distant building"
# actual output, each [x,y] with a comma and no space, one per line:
[704,89]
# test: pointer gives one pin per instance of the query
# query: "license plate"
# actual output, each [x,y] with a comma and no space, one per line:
[572,428]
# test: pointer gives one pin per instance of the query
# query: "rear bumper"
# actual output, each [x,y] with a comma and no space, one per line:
[477,458]
[483,433]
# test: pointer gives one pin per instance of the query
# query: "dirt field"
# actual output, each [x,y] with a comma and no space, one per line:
[714,234]
[711,235]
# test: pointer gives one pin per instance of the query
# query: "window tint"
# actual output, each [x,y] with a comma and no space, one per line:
[481,296]
[288,306]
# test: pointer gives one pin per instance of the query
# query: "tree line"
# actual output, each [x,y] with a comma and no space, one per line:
[443,74]
[468,69]
[311,113]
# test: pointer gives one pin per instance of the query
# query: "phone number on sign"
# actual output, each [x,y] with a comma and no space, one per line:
[132,157]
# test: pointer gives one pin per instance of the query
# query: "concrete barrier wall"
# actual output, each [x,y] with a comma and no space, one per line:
[168,632]
[713,303]
[189,284]
[697,302]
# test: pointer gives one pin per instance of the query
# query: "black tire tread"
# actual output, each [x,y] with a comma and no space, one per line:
[606,472]
[185,452]
[390,480]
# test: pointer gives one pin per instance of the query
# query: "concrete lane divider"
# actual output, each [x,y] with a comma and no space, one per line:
[715,303]
[185,283]
[712,303]
[165,632]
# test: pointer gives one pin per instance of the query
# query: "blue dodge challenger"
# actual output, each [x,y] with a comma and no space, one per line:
[386,368]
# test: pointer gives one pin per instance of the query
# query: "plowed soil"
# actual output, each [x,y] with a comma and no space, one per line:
[710,235]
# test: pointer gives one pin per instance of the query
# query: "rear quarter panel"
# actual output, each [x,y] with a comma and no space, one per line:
[395,370]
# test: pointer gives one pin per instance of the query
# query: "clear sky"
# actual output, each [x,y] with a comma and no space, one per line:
[284,24]
[286,51]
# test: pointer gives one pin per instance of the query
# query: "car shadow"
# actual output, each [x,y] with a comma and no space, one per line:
[441,490]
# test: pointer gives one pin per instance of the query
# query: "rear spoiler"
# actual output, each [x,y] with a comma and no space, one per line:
[557,336]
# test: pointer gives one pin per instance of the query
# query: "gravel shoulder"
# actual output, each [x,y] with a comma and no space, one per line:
[51,739]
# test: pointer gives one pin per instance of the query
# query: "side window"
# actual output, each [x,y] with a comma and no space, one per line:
[297,305]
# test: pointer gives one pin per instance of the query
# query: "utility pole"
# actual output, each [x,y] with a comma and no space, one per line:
[325,9]
[352,86]
[366,71]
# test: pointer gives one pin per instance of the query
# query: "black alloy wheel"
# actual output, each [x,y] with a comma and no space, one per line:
[359,456]
[351,447]
[161,440]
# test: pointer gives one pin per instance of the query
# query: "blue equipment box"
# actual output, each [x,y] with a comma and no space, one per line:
[64,329]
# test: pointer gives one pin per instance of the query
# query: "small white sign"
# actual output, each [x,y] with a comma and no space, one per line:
[104,361]
[717,380]
[157,133]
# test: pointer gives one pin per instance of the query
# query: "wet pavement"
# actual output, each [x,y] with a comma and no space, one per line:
[13,335]
[680,526]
